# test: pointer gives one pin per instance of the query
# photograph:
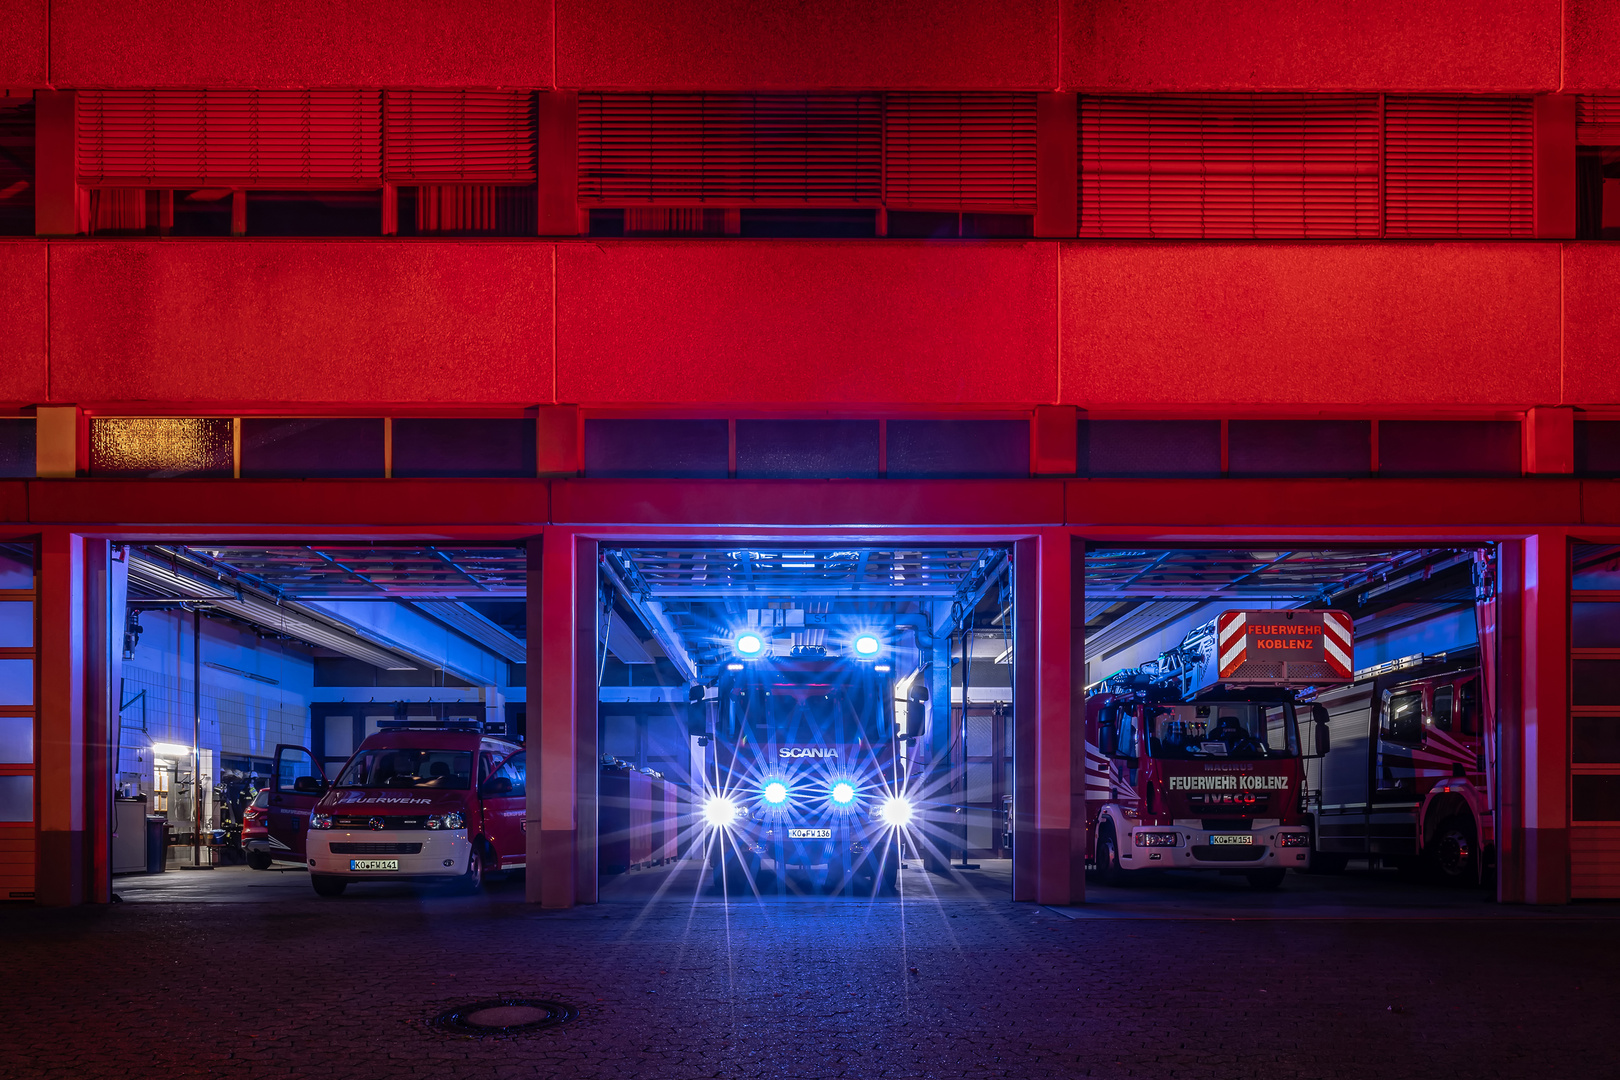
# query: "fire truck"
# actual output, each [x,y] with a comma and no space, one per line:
[1405,780]
[803,769]
[1194,762]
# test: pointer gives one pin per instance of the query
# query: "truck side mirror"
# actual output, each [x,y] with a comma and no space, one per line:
[309,785]
[496,785]
[1319,714]
[697,713]
[916,711]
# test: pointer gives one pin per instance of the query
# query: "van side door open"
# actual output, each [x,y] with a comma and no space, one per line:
[296,785]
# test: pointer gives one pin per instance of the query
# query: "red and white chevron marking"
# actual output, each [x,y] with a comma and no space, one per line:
[1338,631]
[1230,641]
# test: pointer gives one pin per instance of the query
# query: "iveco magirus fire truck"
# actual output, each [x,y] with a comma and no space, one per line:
[1193,760]
[801,771]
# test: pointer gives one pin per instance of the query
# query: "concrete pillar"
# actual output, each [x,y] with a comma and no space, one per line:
[1048,714]
[562,743]
[63,859]
[1545,719]
[1061,878]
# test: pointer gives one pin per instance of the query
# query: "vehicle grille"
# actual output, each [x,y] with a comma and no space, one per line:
[396,824]
[1222,824]
[1229,852]
[376,849]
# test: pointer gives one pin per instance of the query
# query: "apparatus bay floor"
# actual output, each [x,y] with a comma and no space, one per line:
[232,972]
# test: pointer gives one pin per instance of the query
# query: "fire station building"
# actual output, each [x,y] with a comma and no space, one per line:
[497,361]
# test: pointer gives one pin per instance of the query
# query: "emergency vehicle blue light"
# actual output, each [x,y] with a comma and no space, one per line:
[749,644]
[867,645]
[843,793]
[775,793]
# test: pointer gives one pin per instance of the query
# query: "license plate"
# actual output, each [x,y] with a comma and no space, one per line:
[809,834]
[1232,838]
[373,864]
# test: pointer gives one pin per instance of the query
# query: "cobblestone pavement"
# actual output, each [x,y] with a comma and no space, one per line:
[690,986]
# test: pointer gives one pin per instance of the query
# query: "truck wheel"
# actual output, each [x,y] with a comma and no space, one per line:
[1265,880]
[1327,862]
[472,882]
[258,860]
[729,876]
[327,886]
[1109,872]
[1453,854]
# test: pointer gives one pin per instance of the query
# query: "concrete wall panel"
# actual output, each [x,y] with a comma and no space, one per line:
[1466,45]
[747,45]
[273,43]
[22,43]
[22,323]
[806,323]
[1591,324]
[1383,326]
[1591,61]
[461,323]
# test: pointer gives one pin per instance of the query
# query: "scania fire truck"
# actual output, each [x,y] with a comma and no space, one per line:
[1193,760]
[802,771]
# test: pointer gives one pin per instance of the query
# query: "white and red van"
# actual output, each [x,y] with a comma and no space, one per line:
[427,803]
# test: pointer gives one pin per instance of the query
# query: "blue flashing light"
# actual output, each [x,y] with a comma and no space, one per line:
[749,643]
[867,646]
[775,792]
[843,793]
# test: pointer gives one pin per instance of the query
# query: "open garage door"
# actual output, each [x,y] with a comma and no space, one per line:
[1382,760]
[834,717]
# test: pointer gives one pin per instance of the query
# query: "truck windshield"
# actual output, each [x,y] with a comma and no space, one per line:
[443,770]
[1234,730]
[814,715]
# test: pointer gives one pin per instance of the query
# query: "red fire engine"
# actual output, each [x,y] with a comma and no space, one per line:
[1193,761]
[1406,778]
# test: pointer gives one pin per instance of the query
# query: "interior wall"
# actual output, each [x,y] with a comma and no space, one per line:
[241,717]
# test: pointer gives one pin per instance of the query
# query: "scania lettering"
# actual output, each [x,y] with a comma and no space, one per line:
[1193,761]
[801,775]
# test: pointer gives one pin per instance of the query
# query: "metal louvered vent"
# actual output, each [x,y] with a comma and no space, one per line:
[1236,166]
[1459,166]
[1597,119]
[968,152]
[468,136]
[230,138]
[730,149]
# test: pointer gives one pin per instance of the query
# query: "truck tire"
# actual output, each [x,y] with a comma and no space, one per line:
[1327,862]
[729,875]
[1265,880]
[1109,871]
[258,860]
[471,882]
[327,886]
[1453,854]
[888,883]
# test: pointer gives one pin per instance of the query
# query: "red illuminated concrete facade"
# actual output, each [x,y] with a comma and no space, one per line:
[1376,329]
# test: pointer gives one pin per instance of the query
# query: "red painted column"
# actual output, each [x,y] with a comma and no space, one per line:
[1545,718]
[1026,719]
[561,808]
[63,876]
[1059,880]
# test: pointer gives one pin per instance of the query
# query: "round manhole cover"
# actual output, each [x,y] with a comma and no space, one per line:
[503,1016]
